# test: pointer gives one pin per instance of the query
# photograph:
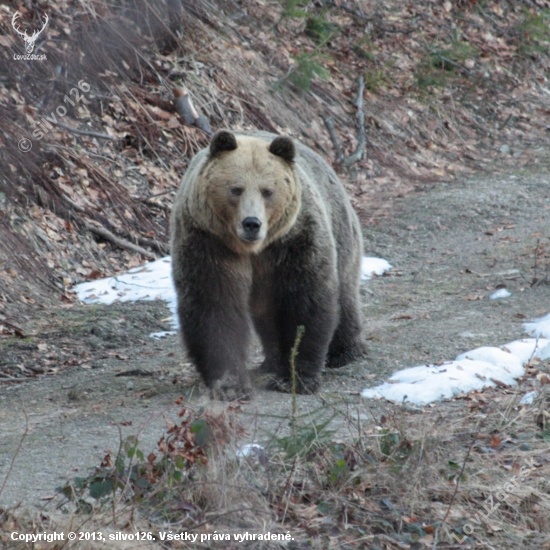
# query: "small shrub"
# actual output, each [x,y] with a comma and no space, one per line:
[363,48]
[308,66]
[534,33]
[449,59]
[306,436]
[376,79]
[319,29]
[156,480]
[340,469]
[291,8]
[440,64]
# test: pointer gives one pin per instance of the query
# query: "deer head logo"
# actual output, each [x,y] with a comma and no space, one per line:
[29,40]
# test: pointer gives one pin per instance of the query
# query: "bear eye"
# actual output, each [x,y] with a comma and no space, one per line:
[266,193]
[237,191]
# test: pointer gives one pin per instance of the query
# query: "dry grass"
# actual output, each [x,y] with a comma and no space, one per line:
[467,473]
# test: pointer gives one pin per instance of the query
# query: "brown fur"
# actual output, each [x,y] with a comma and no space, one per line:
[301,266]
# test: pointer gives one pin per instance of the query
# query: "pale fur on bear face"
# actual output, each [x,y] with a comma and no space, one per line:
[244,180]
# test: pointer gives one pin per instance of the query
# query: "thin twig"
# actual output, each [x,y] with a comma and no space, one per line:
[154,204]
[360,15]
[217,515]
[160,247]
[506,122]
[349,9]
[12,328]
[286,488]
[137,127]
[379,536]
[535,266]
[145,199]
[83,132]
[474,439]
[451,62]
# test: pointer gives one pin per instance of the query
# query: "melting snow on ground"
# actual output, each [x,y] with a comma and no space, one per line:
[500,293]
[152,281]
[373,266]
[473,370]
[249,449]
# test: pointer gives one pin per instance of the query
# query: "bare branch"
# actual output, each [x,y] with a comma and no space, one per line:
[347,8]
[346,162]
[121,243]
[160,247]
[82,132]
[361,138]
[339,155]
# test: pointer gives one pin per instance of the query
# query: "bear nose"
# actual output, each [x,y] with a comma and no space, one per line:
[251,225]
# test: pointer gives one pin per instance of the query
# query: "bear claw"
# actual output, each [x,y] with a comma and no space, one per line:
[305,385]
[232,388]
[231,394]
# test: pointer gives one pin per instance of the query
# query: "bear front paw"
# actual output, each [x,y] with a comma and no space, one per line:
[305,385]
[231,388]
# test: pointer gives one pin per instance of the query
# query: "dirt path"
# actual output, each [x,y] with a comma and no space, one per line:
[451,247]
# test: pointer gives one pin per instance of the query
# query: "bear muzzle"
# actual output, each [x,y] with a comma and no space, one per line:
[250,230]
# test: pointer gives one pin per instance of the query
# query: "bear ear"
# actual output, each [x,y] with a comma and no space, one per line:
[283,147]
[222,141]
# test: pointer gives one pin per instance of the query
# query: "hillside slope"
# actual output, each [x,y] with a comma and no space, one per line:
[448,88]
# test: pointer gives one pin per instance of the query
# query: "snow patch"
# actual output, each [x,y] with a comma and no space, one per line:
[526,349]
[495,356]
[500,293]
[528,398]
[472,370]
[539,327]
[373,266]
[422,385]
[249,449]
[152,281]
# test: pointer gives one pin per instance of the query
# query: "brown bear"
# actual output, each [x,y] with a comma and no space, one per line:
[264,236]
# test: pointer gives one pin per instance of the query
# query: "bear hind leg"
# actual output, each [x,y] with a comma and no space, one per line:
[347,344]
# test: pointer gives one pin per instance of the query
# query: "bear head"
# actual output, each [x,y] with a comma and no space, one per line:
[249,189]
